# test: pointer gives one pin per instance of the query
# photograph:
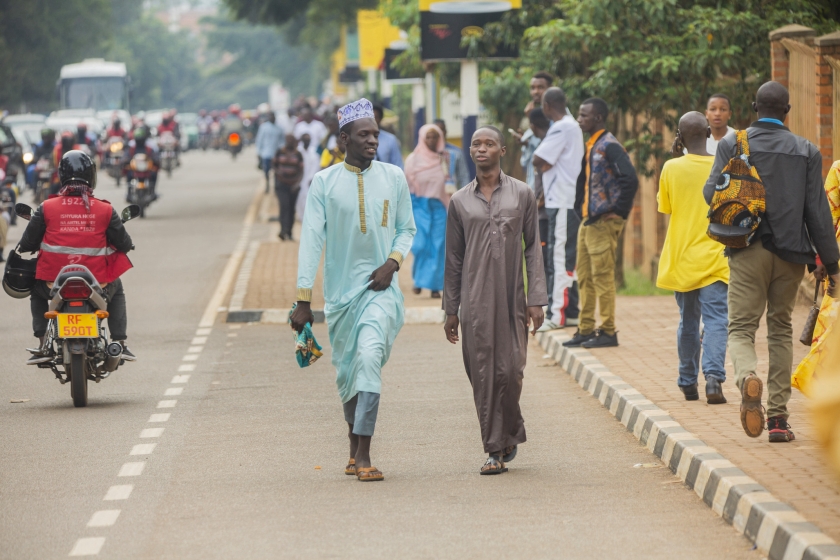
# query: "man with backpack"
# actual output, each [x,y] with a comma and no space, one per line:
[780,224]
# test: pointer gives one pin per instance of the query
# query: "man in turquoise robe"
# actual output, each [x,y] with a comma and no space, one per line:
[361,210]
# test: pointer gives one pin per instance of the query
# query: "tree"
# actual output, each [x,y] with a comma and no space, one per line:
[657,59]
[38,37]
[278,12]
[162,65]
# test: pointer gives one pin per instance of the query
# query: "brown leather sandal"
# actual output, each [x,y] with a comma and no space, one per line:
[493,466]
[350,469]
[369,474]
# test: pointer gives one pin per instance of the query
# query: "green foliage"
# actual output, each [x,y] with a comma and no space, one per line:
[638,284]
[661,58]
[266,52]
[37,37]
[278,12]
[161,64]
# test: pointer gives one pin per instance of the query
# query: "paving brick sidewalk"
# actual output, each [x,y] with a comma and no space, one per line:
[647,359]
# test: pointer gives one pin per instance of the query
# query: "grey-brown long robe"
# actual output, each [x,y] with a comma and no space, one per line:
[483,280]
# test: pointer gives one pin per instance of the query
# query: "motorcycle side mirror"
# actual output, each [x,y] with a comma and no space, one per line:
[23,211]
[130,212]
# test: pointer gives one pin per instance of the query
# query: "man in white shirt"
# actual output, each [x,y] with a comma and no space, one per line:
[560,157]
[308,125]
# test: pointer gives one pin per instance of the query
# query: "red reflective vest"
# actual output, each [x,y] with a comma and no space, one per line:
[76,236]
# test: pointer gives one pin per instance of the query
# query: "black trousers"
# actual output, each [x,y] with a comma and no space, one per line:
[39,303]
[287,196]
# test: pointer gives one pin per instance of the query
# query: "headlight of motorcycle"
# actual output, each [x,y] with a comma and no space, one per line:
[27,158]
[116,147]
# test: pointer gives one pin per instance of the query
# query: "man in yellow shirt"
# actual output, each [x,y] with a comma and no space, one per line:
[692,264]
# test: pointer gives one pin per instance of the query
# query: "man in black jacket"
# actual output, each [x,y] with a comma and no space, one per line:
[767,273]
[604,196]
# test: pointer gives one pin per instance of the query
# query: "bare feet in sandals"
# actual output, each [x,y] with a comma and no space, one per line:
[369,474]
[493,465]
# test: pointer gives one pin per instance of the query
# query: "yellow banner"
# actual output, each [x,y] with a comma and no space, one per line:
[468,6]
[375,35]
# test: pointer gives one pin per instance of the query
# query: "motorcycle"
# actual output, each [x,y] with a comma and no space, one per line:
[215,135]
[234,144]
[44,178]
[203,135]
[76,341]
[112,158]
[168,154]
[139,187]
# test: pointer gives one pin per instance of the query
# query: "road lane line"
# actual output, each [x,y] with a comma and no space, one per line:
[132,469]
[190,358]
[104,518]
[180,379]
[199,340]
[163,417]
[233,335]
[186,367]
[88,546]
[203,332]
[195,349]
[167,404]
[118,492]
[143,449]
[232,266]
[151,432]
[173,391]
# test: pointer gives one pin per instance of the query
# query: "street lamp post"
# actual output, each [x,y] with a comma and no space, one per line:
[469,107]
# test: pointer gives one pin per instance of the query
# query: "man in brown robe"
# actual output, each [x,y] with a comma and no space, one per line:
[487,222]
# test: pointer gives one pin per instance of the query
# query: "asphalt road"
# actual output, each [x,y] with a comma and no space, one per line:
[249,462]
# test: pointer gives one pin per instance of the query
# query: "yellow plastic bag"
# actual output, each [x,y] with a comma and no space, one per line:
[803,376]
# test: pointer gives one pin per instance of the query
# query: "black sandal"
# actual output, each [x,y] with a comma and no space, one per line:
[493,466]
[510,453]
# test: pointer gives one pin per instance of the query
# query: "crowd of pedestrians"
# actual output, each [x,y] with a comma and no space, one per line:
[748,214]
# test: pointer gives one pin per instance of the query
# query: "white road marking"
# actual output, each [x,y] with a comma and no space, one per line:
[203,332]
[132,469]
[233,334]
[167,404]
[199,340]
[88,546]
[190,358]
[173,391]
[143,449]
[234,327]
[151,432]
[104,518]
[163,417]
[118,492]
[195,349]
[232,266]
[186,367]
[180,379]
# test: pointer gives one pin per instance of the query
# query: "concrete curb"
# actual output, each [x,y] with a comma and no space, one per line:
[773,526]
[413,316]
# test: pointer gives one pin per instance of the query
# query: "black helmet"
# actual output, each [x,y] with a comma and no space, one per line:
[77,166]
[48,135]
[20,276]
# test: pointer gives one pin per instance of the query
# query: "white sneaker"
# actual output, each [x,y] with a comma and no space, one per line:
[548,326]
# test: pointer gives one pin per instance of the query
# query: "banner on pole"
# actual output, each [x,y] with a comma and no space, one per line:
[375,35]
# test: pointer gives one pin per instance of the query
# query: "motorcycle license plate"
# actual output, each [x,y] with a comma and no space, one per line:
[77,325]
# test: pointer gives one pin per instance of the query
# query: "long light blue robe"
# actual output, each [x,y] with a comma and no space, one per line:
[362,324]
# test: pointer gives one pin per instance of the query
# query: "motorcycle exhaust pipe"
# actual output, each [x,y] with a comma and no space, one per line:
[114,352]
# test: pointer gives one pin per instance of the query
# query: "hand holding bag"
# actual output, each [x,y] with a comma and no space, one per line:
[807,336]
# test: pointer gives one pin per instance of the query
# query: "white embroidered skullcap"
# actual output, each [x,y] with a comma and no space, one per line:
[361,109]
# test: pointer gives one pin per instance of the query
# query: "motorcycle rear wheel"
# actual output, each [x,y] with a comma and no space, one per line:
[78,380]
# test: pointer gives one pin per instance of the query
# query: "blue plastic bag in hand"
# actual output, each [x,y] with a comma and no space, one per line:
[307,349]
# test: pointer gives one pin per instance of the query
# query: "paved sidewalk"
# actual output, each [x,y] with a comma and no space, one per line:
[273,279]
[647,359]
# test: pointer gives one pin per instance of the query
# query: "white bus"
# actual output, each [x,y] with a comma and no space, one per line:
[94,84]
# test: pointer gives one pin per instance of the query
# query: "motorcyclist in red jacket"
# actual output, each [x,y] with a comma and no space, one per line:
[77,228]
